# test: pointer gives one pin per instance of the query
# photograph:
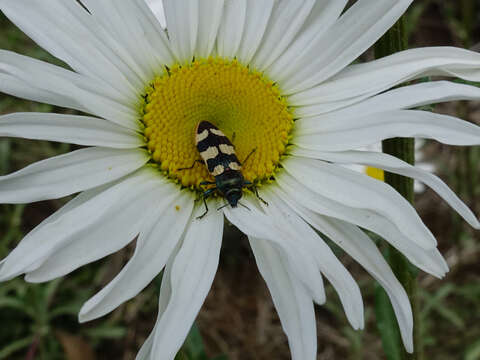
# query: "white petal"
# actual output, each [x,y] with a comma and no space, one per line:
[98,213]
[23,68]
[104,239]
[164,299]
[158,238]
[145,351]
[133,33]
[340,133]
[157,8]
[16,254]
[72,129]
[210,16]
[323,16]
[379,75]
[231,28]
[355,31]
[303,235]
[286,20]
[305,111]
[256,22]
[155,32]
[360,247]
[69,32]
[294,191]
[12,86]
[407,97]
[191,277]
[182,26]
[27,78]
[404,97]
[362,192]
[302,263]
[396,166]
[69,173]
[294,305]
[110,21]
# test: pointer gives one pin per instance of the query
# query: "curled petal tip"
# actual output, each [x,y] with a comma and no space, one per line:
[85,314]
[29,277]
[82,317]
[476,226]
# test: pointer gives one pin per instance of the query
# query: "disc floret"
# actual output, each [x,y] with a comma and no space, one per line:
[242,102]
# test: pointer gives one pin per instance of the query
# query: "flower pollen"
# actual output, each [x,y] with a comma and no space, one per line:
[243,104]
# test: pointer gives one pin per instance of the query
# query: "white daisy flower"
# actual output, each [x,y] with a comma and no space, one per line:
[273,76]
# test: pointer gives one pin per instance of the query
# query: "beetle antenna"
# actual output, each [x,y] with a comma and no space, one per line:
[248,156]
[223,206]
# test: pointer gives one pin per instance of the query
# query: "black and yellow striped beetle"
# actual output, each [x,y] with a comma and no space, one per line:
[218,154]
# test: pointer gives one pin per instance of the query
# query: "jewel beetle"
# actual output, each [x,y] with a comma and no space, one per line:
[218,155]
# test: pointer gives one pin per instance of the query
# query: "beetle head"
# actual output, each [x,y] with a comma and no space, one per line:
[233,196]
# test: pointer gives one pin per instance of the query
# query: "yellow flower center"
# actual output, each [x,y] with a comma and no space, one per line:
[242,103]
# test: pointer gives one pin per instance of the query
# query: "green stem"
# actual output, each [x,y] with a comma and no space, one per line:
[393,41]
[469,8]
[468,19]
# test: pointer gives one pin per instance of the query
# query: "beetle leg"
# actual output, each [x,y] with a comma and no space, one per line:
[207,183]
[191,167]
[257,195]
[206,194]
[203,183]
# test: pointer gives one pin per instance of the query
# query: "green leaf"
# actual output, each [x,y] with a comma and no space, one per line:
[473,351]
[10,302]
[193,346]
[435,301]
[221,357]
[71,309]
[355,338]
[51,288]
[387,326]
[106,332]
[181,355]
[413,17]
[5,147]
[451,316]
[15,346]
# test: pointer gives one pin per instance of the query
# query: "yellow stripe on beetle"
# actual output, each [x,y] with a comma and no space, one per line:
[210,153]
[227,149]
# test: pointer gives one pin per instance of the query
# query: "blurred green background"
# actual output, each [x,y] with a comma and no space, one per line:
[238,319]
